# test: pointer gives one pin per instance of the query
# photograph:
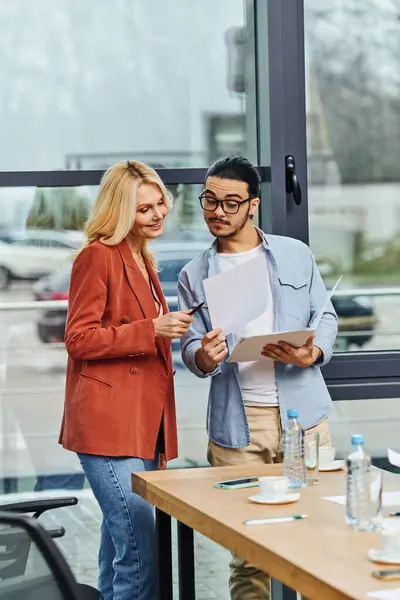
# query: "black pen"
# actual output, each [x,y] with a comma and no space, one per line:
[195,309]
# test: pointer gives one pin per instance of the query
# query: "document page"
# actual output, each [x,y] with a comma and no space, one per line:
[236,297]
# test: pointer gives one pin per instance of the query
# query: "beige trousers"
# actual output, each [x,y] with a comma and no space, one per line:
[246,582]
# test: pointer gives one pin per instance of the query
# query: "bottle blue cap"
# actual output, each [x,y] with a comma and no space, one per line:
[357,440]
[292,413]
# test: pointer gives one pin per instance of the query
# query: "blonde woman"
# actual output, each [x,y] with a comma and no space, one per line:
[119,413]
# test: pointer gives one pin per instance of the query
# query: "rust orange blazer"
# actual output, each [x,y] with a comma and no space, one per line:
[119,386]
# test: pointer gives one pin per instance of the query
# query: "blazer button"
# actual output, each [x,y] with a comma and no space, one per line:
[134,371]
[125,320]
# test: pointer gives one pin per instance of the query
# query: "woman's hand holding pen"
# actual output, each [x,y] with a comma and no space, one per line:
[173,325]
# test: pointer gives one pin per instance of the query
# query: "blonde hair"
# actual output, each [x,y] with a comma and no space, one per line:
[113,214]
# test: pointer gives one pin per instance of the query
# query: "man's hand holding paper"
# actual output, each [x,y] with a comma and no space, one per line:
[302,357]
[245,290]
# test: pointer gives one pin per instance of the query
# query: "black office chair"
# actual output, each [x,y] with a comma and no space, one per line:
[16,547]
[47,574]
[14,558]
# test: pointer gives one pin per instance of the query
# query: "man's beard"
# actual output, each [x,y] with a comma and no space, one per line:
[237,230]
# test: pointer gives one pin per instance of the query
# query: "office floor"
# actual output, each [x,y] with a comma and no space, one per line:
[81,542]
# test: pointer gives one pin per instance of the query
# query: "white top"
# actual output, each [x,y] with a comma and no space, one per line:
[257,379]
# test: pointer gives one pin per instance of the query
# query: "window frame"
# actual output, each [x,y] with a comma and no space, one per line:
[350,375]
[279,90]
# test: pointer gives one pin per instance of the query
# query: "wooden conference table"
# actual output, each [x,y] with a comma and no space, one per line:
[319,556]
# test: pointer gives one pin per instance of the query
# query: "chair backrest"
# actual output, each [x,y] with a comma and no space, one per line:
[47,575]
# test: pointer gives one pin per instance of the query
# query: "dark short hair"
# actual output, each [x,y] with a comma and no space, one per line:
[237,168]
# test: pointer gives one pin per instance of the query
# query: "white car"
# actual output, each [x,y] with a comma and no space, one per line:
[33,253]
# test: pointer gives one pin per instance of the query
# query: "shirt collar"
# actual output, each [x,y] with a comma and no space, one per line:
[263,236]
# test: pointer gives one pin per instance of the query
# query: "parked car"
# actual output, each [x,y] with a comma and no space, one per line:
[51,323]
[33,253]
[356,317]
[357,321]
[171,258]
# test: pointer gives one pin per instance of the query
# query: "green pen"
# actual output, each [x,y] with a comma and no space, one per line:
[395,514]
[274,520]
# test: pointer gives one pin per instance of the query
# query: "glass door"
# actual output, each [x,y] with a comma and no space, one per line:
[353,145]
[328,127]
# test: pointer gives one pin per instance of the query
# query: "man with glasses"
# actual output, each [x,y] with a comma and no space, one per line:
[248,402]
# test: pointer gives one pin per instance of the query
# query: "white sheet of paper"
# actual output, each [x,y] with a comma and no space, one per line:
[321,311]
[388,499]
[237,296]
[393,594]
[393,457]
[249,349]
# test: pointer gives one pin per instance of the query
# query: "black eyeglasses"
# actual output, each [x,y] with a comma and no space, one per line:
[230,207]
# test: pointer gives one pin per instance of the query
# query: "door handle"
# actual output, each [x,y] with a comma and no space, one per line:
[292,181]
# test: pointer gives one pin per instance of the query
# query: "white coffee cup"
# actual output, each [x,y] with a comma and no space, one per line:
[273,487]
[326,456]
[390,541]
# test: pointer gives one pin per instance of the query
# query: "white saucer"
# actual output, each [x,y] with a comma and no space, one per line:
[286,499]
[379,557]
[336,465]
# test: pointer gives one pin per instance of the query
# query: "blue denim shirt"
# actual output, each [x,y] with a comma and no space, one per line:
[298,293]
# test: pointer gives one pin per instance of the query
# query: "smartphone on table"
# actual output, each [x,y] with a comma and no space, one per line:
[237,484]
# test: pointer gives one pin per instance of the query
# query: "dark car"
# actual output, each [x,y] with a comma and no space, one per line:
[51,323]
[357,320]
[171,258]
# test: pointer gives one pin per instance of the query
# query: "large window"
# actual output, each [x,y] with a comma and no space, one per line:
[35,267]
[353,141]
[353,131]
[377,420]
[162,81]
[84,87]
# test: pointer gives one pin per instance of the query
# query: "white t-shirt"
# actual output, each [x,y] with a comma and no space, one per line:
[257,379]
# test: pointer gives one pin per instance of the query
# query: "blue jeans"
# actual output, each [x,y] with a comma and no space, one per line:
[128,551]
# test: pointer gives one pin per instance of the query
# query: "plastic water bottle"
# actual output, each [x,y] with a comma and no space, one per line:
[359,506]
[294,465]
